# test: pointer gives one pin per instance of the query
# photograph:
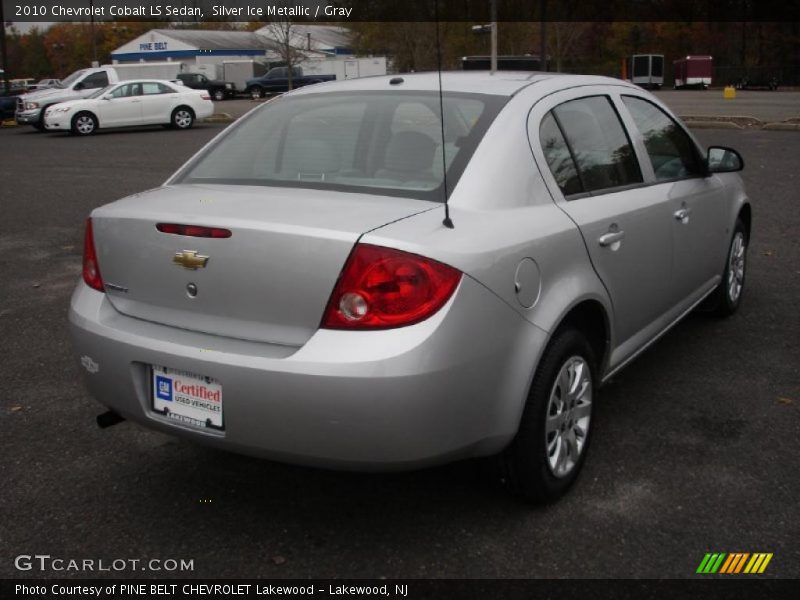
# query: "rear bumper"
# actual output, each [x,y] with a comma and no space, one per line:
[448,388]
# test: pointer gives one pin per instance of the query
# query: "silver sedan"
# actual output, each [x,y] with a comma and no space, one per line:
[370,275]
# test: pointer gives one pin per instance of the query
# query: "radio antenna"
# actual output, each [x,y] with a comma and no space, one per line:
[447,222]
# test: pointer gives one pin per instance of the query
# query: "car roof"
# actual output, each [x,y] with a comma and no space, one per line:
[500,83]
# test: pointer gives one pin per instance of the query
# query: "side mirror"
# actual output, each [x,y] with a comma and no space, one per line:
[723,160]
[79,86]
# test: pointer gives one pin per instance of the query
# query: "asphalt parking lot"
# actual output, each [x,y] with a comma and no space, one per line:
[766,106]
[695,446]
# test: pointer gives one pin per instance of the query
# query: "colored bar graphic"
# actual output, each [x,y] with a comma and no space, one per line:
[703,563]
[741,562]
[765,563]
[732,559]
[711,562]
[733,563]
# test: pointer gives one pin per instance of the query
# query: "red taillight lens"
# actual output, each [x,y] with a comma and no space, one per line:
[382,288]
[91,269]
[193,230]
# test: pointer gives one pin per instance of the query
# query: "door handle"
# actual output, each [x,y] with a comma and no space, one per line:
[682,214]
[607,239]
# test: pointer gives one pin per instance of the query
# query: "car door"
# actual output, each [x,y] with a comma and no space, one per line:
[122,106]
[157,101]
[591,168]
[696,198]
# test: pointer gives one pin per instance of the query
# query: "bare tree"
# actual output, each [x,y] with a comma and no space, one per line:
[565,37]
[283,33]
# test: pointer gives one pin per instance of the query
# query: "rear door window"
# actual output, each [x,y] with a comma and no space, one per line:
[558,156]
[598,143]
[671,151]
[151,88]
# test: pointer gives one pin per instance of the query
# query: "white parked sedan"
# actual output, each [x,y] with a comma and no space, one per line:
[131,103]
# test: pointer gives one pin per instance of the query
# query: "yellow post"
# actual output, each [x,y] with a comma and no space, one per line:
[729,93]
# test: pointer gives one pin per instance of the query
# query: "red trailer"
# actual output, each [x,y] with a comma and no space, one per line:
[693,72]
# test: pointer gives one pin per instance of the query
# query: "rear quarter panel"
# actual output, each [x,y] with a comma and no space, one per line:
[504,213]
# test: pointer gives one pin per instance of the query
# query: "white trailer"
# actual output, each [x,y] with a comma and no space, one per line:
[239,71]
[345,67]
[210,70]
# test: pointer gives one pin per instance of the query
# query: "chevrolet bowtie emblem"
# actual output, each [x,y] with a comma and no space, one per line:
[190,259]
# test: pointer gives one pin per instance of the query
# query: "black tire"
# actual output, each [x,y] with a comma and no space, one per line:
[256,93]
[218,95]
[723,302]
[84,123]
[526,465]
[182,118]
[39,125]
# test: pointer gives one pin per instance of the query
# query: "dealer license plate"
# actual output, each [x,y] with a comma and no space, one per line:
[186,397]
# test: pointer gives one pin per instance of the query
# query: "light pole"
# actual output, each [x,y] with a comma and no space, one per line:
[59,48]
[493,8]
[94,42]
[4,49]
[543,36]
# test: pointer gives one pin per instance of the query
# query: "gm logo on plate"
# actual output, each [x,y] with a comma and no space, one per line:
[164,388]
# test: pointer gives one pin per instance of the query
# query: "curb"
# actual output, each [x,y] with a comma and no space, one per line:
[219,118]
[782,126]
[739,122]
[712,125]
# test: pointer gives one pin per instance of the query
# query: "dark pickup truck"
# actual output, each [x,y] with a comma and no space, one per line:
[8,101]
[276,81]
[218,90]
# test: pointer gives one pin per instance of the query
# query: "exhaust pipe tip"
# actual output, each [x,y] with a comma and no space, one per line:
[109,418]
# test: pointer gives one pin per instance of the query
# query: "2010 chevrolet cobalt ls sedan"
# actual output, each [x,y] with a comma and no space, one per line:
[298,290]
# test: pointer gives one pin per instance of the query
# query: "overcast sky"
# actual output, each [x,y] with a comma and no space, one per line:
[24,26]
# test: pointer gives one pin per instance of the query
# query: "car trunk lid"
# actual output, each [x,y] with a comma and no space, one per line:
[269,281]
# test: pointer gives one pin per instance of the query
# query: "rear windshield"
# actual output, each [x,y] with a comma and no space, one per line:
[387,143]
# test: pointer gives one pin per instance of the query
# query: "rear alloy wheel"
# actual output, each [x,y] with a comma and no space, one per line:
[84,123]
[548,452]
[182,118]
[219,95]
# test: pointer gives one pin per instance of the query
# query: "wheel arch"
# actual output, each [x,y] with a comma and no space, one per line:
[591,318]
[746,215]
[187,107]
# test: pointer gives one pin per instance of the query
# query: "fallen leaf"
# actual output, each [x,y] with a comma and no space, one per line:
[16,408]
[768,253]
[278,560]
[785,400]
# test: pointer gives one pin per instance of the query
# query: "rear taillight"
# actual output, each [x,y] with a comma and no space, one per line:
[91,269]
[382,288]
[205,97]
